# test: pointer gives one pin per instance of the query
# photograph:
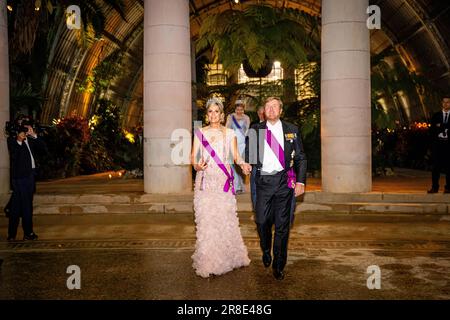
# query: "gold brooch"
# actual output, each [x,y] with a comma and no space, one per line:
[290,136]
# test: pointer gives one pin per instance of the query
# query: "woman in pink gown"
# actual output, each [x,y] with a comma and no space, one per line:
[219,247]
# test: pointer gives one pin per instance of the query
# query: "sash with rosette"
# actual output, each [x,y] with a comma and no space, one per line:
[237,125]
[279,153]
[229,183]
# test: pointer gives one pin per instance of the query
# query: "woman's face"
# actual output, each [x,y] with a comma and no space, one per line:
[239,110]
[213,114]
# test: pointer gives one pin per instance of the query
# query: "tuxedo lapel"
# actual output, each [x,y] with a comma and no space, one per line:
[287,145]
[262,144]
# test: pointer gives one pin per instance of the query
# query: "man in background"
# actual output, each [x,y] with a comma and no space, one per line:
[440,146]
[24,147]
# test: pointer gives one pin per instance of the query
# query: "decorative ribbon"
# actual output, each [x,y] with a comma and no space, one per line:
[237,125]
[279,154]
[230,178]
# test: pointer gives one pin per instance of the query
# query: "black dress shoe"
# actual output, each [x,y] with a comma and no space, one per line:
[447,191]
[433,190]
[278,274]
[267,260]
[31,236]
[11,238]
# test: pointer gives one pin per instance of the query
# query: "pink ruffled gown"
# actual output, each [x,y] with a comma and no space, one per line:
[219,247]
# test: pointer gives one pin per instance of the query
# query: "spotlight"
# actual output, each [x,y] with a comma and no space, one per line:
[10,8]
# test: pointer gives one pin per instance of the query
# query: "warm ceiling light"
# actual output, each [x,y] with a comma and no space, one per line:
[236,1]
[9,7]
[37,5]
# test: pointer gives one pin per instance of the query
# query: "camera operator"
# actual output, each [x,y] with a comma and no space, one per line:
[24,146]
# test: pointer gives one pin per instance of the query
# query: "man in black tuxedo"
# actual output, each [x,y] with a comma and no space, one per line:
[275,148]
[23,150]
[261,118]
[440,147]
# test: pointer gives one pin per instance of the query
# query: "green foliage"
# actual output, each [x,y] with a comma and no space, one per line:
[103,74]
[259,32]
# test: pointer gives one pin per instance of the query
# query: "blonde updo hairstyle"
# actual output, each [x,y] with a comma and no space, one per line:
[217,102]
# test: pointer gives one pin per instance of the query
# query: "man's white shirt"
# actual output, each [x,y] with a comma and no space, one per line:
[270,161]
[446,116]
[33,164]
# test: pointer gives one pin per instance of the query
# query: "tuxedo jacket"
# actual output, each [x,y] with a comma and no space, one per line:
[254,148]
[20,156]
[438,126]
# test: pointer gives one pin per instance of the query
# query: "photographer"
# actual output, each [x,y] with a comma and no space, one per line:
[24,146]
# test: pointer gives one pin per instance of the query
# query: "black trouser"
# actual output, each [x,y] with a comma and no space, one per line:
[273,206]
[253,194]
[21,205]
[441,163]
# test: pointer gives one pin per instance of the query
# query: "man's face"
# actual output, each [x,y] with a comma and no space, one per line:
[272,110]
[22,136]
[446,104]
[261,114]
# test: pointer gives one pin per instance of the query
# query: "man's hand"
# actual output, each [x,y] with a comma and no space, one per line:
[299,189]
[246,168]
[31,132]
[21,137]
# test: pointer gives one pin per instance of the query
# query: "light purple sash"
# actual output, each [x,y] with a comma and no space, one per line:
[230,177]
[279,153]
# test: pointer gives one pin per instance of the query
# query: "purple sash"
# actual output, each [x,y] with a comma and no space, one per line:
[236,123]
[279,153]
[230,177]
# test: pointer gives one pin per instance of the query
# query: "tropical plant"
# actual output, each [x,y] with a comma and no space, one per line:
[103,74]
[258,33]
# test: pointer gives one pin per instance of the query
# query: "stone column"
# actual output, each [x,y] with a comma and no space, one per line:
[167,93]
[4,96]
[345,97]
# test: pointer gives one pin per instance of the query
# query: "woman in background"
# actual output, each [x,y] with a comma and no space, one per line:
[240,123]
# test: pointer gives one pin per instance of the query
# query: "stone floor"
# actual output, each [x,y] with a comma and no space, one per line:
[404,180]
[142,256]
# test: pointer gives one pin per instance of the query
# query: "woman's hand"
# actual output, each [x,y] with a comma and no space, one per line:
[201,166]
[246,168]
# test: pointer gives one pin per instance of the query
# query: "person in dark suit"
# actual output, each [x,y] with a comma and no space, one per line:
[440,146]
[23,150]
[261,118]
[276,149]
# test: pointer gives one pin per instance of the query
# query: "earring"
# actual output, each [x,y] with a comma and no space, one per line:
[206,120]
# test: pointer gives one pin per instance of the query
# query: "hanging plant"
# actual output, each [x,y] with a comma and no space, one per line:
[262,72]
